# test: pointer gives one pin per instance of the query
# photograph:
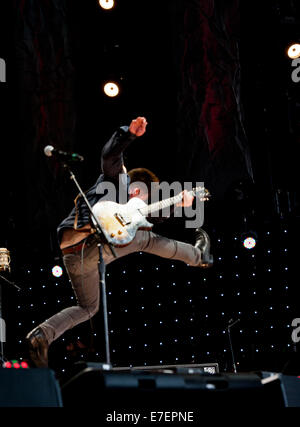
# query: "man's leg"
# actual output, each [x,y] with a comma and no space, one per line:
[82,268]
[147,241]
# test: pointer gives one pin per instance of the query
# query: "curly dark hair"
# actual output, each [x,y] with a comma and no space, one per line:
[143,175]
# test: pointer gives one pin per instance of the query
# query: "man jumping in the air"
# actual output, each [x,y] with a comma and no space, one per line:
[79,244]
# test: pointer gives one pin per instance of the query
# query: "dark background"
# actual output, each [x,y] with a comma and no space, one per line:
[214,82]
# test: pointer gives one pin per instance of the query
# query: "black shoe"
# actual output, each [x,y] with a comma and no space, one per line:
[203,243]
[38,348]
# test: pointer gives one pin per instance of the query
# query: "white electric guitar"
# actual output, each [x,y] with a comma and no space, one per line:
[120,223]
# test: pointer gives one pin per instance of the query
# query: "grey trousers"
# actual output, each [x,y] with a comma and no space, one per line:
[82,268]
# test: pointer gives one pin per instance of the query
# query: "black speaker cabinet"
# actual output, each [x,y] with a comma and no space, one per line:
[29,388]
[290,387]
[144,389]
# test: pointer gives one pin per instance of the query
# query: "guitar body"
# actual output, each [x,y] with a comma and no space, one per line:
[121,222]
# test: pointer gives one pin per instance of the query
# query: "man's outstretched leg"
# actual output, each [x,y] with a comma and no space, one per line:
[149,242]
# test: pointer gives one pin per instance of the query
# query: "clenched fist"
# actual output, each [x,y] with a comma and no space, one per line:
[138,126]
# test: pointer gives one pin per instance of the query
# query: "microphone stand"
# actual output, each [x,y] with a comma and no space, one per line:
[2,322]
[232,323]
[101,263]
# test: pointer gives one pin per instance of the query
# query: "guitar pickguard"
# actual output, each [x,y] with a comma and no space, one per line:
[121,222]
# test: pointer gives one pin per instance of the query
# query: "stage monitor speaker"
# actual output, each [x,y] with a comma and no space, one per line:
[290,387]
[29,388]
[208,368]
[113,390]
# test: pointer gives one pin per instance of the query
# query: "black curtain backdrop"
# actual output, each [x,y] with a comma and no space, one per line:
[211,141]
[46,100]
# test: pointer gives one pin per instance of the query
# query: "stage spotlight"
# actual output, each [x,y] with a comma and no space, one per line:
[293,51]
[111,89]
[249,243]
[57,271]
[249,239]
[107,4]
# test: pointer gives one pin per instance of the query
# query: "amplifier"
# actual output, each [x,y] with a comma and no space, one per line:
[37,387]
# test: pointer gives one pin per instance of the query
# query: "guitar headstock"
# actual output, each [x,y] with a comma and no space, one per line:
[203,194]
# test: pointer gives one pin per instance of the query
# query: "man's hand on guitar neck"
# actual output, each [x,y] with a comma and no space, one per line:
[187,199]
[138,126]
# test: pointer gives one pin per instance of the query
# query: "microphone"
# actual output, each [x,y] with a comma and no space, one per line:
[73,157]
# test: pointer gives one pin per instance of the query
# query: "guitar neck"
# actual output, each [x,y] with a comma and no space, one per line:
[154,207]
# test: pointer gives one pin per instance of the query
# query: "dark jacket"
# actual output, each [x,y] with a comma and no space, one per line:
[112,163]
[111,166]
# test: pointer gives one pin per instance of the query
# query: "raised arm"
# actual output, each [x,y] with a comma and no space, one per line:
[112,162]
